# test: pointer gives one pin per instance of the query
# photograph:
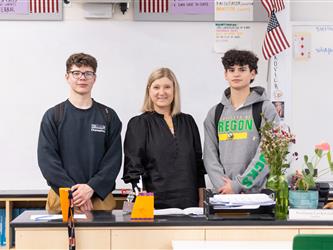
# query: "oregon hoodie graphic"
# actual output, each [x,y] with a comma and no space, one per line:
[236,153]
[235,128]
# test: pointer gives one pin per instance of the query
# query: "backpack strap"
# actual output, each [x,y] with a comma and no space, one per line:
[218,112]
[58,113]
[106,113]
[107,116]
[256,114]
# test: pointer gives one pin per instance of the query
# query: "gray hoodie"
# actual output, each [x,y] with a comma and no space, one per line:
[240,157]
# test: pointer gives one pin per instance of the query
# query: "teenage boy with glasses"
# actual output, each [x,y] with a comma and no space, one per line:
[79,142]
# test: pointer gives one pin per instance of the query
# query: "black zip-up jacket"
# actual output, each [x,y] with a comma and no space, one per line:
[171,165]
[83,148]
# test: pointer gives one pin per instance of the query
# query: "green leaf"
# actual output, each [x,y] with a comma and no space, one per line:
[306,158]
[286,165]
[319,152]
[329,160]
[310,166]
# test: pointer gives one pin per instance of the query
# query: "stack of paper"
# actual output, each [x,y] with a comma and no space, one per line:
[241,201]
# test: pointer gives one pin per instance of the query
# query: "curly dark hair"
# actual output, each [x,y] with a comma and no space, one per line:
[240,57]
[81,59]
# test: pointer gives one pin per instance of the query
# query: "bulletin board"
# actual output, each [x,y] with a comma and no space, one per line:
[188,10]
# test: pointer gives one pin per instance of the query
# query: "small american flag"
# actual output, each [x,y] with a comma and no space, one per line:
[273,5]
[275,41]
[44,6]
[153,6]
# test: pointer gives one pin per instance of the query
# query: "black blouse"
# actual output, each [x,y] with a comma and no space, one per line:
[170,164]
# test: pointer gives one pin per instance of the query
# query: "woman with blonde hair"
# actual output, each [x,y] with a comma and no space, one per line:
[162,145]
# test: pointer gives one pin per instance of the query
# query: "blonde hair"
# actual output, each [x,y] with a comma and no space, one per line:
[148,105]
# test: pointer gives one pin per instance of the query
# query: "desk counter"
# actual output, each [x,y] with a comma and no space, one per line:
[113,230]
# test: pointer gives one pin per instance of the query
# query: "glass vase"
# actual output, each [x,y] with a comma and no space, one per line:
[279,185]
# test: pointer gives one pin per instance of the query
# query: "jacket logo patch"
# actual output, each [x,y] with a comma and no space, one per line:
[98,128]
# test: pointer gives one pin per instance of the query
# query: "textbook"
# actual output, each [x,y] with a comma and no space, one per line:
[173,211]
[311,214]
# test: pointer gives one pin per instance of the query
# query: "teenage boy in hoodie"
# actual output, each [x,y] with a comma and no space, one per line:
[232,154]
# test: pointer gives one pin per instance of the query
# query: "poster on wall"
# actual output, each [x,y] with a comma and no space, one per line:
[231,10]
[199,10]
[279,85]
[31,9]
[173,10]
[232,36]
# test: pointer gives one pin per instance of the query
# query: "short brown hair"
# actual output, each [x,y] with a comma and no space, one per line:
[148,106]
[81,59]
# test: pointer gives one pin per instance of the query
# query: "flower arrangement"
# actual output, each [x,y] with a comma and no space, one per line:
[305,179]
[275,142]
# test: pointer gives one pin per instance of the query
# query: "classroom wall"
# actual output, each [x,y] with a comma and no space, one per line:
[33,65]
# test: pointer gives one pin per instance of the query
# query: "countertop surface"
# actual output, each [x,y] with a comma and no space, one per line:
[116,218]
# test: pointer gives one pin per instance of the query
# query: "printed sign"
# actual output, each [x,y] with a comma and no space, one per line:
[232,36]
[230,10]
[192,7]
[14,7]
[31,9]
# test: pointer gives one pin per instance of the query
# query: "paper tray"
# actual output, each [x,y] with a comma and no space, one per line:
[212,213]
[240,216]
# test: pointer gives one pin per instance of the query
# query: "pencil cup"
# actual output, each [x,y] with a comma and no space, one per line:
[64,203]
[143,208]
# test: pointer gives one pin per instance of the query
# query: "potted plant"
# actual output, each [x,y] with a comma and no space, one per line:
[304,193]
[275,142]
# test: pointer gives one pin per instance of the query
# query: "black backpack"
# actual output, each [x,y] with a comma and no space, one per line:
[59,115]
[256,114]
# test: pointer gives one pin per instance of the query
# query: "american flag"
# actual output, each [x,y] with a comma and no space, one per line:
[153,6]
[273,5]
[275,41]
[44,6]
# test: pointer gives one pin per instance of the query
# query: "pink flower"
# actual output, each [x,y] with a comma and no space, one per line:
[323,146]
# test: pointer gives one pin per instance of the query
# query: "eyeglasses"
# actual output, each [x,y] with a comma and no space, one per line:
[77,74]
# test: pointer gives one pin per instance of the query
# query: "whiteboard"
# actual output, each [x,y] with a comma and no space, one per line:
[32,64]
[311,10]
[312,90]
